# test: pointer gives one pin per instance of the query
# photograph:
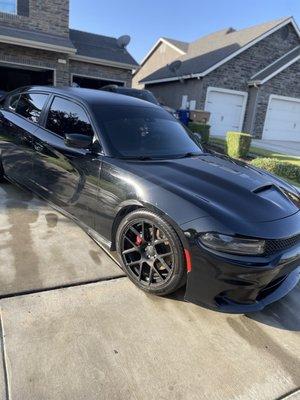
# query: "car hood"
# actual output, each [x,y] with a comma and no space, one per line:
[222,187]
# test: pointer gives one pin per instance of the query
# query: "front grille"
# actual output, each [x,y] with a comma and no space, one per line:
[275,245]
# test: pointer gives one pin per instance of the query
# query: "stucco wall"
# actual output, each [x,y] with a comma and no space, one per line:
[50,16]
[162,55]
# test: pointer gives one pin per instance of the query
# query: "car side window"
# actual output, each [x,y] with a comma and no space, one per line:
[30,105]
[13,102]
[65,117]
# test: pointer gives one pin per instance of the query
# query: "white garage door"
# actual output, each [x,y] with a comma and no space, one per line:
[282,119]
[227,108]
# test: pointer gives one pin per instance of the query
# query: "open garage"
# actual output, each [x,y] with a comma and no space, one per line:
[93,83]
[14,76]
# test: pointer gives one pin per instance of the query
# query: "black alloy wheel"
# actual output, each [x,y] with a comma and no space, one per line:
[151,252]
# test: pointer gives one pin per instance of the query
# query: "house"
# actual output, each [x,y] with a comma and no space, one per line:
[37,47]
[248,79]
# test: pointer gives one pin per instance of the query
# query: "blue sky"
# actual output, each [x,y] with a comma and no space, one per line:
[146,20]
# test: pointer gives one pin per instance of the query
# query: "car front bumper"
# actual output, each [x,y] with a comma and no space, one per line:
[240,284]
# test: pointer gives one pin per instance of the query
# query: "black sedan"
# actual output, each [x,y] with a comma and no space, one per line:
[135,179]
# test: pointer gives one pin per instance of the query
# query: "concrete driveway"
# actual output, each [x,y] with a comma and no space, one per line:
[279,146]
[108,340]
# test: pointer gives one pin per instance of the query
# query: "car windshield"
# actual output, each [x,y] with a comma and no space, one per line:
[144,132]
[139,94]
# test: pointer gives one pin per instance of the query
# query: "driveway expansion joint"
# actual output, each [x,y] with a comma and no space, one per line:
[68,285]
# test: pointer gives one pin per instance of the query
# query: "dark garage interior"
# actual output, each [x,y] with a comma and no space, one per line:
[12,78]
[93,83]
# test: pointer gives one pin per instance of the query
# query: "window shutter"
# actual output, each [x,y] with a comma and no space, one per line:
[23,7]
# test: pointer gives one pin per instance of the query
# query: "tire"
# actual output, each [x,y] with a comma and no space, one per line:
[151,253]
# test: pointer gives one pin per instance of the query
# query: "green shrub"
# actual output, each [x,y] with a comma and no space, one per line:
[238,144]
[277,167]
[202,129]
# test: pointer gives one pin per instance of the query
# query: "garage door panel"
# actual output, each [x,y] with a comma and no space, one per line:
[282,119]
[226,110]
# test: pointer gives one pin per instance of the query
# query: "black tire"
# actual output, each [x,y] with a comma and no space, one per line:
[151,253]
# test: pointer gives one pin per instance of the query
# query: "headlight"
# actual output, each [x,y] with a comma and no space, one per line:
[231,244]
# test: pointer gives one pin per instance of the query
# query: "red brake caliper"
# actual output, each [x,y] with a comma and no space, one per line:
[138,240]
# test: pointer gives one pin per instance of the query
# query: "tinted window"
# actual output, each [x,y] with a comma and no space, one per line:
[30,105]
[139,94]
[68,117]
[13,102]
[132,131]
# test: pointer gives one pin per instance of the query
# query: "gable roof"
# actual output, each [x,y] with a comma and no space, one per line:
[209,52]
[179,46]
[35,39]
[183,46]
[276,67]
[104,49]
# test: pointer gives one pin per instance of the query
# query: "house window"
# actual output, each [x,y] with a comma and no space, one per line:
[8,6]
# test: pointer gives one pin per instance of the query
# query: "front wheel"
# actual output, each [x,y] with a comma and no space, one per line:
[151,253]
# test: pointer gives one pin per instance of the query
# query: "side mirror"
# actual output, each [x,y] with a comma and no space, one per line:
[78,141]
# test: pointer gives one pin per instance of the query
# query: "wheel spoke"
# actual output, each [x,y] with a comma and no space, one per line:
[157,271]
[165,254]
[150,276]
[133,263]
[136,232]
[131,242]
[167,267]
[140,271]
[131,250]
[159,241]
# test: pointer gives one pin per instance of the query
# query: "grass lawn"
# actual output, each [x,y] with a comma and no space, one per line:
[256,151]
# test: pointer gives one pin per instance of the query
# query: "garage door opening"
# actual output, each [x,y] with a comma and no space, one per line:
[13,77]
[93,83]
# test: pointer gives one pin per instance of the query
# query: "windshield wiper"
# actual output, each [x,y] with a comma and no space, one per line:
[190,154]
[140,158]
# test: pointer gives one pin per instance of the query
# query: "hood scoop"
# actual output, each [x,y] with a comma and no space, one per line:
[280,197]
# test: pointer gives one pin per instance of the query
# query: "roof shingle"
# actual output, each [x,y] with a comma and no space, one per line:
[291,56]
[100,47]
[209,50]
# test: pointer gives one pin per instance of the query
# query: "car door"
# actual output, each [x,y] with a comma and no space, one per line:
[67,176]
[18,121]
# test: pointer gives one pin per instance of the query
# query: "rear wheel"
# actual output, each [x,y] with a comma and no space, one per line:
[151,252]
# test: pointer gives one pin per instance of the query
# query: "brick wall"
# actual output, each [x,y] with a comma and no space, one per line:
[101,71]
[37,58]
[49,16]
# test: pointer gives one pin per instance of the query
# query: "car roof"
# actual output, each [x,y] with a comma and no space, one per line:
[91,96]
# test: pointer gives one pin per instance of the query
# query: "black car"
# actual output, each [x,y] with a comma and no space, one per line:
[137,93]
[141,94]
[133,177]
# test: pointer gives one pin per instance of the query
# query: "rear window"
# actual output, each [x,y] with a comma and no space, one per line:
[30,105]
